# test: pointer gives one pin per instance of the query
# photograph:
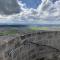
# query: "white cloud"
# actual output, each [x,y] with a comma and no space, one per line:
[47,11]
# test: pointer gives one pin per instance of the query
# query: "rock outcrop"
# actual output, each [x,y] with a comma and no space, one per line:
[41,45]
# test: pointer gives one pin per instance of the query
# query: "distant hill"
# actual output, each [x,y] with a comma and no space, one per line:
[13,25]
[27,25]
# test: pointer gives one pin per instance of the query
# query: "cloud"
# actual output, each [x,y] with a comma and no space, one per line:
[9,7]
[47,11]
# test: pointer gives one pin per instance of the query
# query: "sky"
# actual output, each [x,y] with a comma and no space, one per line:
[31,3]
[30,12]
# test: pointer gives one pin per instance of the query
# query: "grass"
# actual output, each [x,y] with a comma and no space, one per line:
[9,32]
[14,31]
[39,28]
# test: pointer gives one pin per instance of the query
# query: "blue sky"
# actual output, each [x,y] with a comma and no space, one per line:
[30,12]
[31,3]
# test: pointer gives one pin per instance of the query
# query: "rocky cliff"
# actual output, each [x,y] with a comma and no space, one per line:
[38,45]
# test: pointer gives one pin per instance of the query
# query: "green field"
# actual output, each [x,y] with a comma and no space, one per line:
[9,32]
[39,28]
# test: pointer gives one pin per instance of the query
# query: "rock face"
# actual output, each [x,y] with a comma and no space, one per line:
[41,45]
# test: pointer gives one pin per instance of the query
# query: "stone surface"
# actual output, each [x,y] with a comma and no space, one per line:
[38,45]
